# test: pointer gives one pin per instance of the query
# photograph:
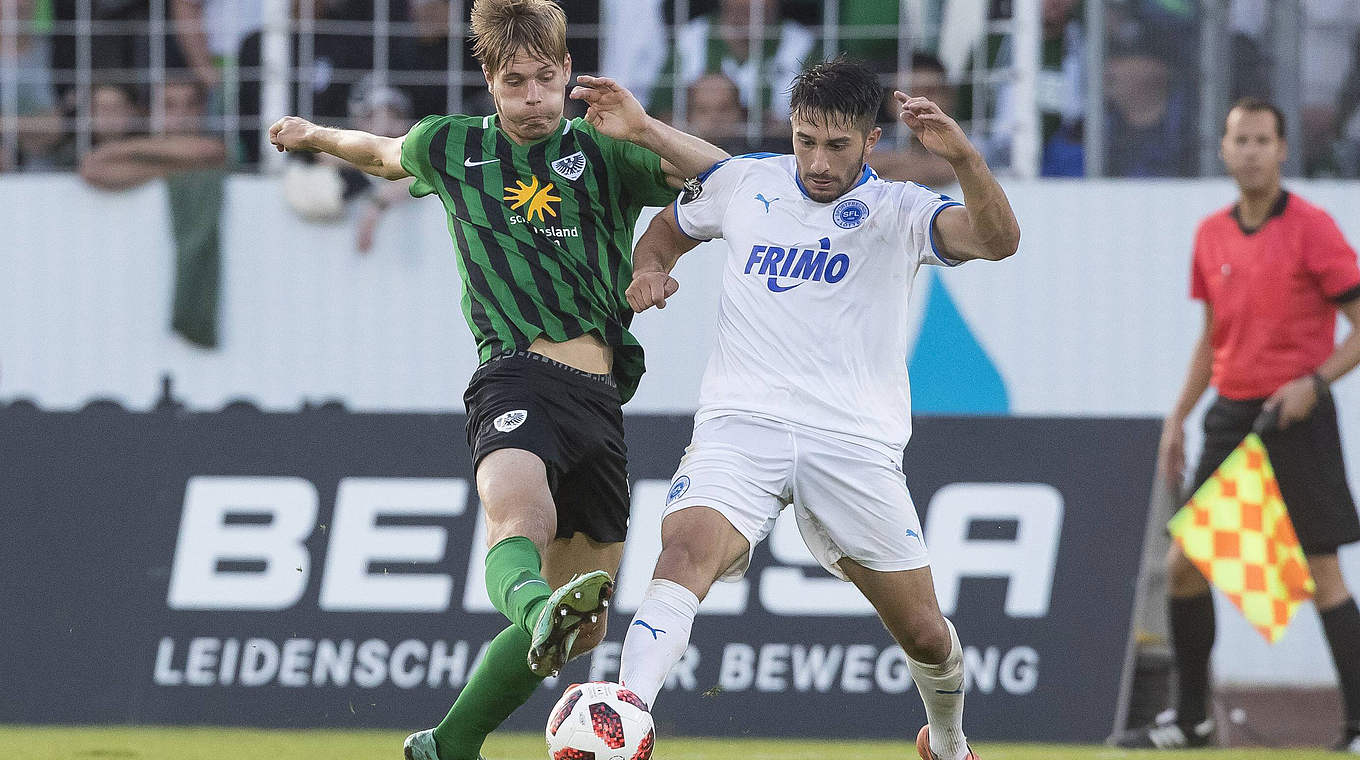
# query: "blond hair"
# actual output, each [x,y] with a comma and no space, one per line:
[501,28]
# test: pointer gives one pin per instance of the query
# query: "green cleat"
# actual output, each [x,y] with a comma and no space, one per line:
[583,599]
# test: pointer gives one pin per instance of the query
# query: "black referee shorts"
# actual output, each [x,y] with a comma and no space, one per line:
[1308,464]
[570,419]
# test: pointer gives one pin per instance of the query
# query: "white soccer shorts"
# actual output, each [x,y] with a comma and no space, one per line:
[849,500]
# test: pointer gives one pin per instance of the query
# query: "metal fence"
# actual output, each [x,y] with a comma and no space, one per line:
[1040,92]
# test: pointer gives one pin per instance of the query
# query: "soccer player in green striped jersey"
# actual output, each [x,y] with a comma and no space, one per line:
[541,211]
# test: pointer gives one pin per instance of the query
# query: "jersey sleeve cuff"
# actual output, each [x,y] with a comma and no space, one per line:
[1346,296]
[420,188]
[676,207]
[934,249]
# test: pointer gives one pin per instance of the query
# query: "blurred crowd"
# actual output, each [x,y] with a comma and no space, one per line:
[88,93]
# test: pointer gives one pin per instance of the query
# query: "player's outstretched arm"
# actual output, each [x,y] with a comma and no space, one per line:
[654,257]
[613,110]
[379,156]
[985,228]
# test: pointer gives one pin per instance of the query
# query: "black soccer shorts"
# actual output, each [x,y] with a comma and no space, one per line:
[570,419]
[1308,465]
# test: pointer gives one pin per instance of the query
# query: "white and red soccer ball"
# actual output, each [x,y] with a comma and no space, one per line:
[600,721]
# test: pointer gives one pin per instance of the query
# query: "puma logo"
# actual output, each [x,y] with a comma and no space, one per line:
[651,630]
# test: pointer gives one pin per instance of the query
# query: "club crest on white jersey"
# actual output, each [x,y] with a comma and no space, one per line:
[849,213]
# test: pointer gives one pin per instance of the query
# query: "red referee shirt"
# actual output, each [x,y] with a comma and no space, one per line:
[1274,292]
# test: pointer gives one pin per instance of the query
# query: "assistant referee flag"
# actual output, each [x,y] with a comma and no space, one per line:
[1236,531]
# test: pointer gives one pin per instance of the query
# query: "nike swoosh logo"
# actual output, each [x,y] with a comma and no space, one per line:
[470,163]
[522,584]
[777,288]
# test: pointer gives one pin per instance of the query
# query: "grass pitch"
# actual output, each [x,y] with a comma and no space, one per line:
[127,743]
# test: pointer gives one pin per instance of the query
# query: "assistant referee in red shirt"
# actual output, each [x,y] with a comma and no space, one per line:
[1272,271]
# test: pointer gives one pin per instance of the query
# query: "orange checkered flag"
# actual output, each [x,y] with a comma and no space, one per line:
[1237,532]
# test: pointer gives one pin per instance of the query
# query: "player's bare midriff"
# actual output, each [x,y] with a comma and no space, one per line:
[587,353]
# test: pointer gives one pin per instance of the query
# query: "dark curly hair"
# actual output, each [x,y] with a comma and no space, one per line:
[840,92]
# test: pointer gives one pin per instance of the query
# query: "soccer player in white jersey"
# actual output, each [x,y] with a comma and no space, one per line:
[805,399]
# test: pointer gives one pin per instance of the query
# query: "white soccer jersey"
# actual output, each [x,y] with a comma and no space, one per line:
[812,325]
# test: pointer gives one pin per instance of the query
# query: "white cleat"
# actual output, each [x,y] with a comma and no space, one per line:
[420,746]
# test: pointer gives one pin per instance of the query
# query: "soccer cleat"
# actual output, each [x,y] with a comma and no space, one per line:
[420,746]
[1166,733]
[581,599]
[923,746]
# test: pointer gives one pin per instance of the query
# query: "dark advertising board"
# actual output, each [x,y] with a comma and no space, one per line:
[323,568]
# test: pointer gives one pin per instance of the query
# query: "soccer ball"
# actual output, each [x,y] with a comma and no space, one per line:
[599,721]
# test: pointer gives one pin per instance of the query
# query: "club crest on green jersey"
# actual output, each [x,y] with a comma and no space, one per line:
[571,166]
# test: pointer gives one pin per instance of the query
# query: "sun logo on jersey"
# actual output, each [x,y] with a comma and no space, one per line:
[537,198]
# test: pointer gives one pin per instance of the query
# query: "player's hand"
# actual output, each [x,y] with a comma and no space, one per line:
[1295,400]
[611,108]
[1171,455]
[292,133]
[650,289]
[939,133]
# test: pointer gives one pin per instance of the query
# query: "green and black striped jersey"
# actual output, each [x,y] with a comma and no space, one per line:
[544,232]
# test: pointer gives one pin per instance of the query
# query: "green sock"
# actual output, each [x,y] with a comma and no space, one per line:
[514,581]
[499,685]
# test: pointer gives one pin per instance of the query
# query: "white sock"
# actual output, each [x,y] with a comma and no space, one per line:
[657,638]
[941,689]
